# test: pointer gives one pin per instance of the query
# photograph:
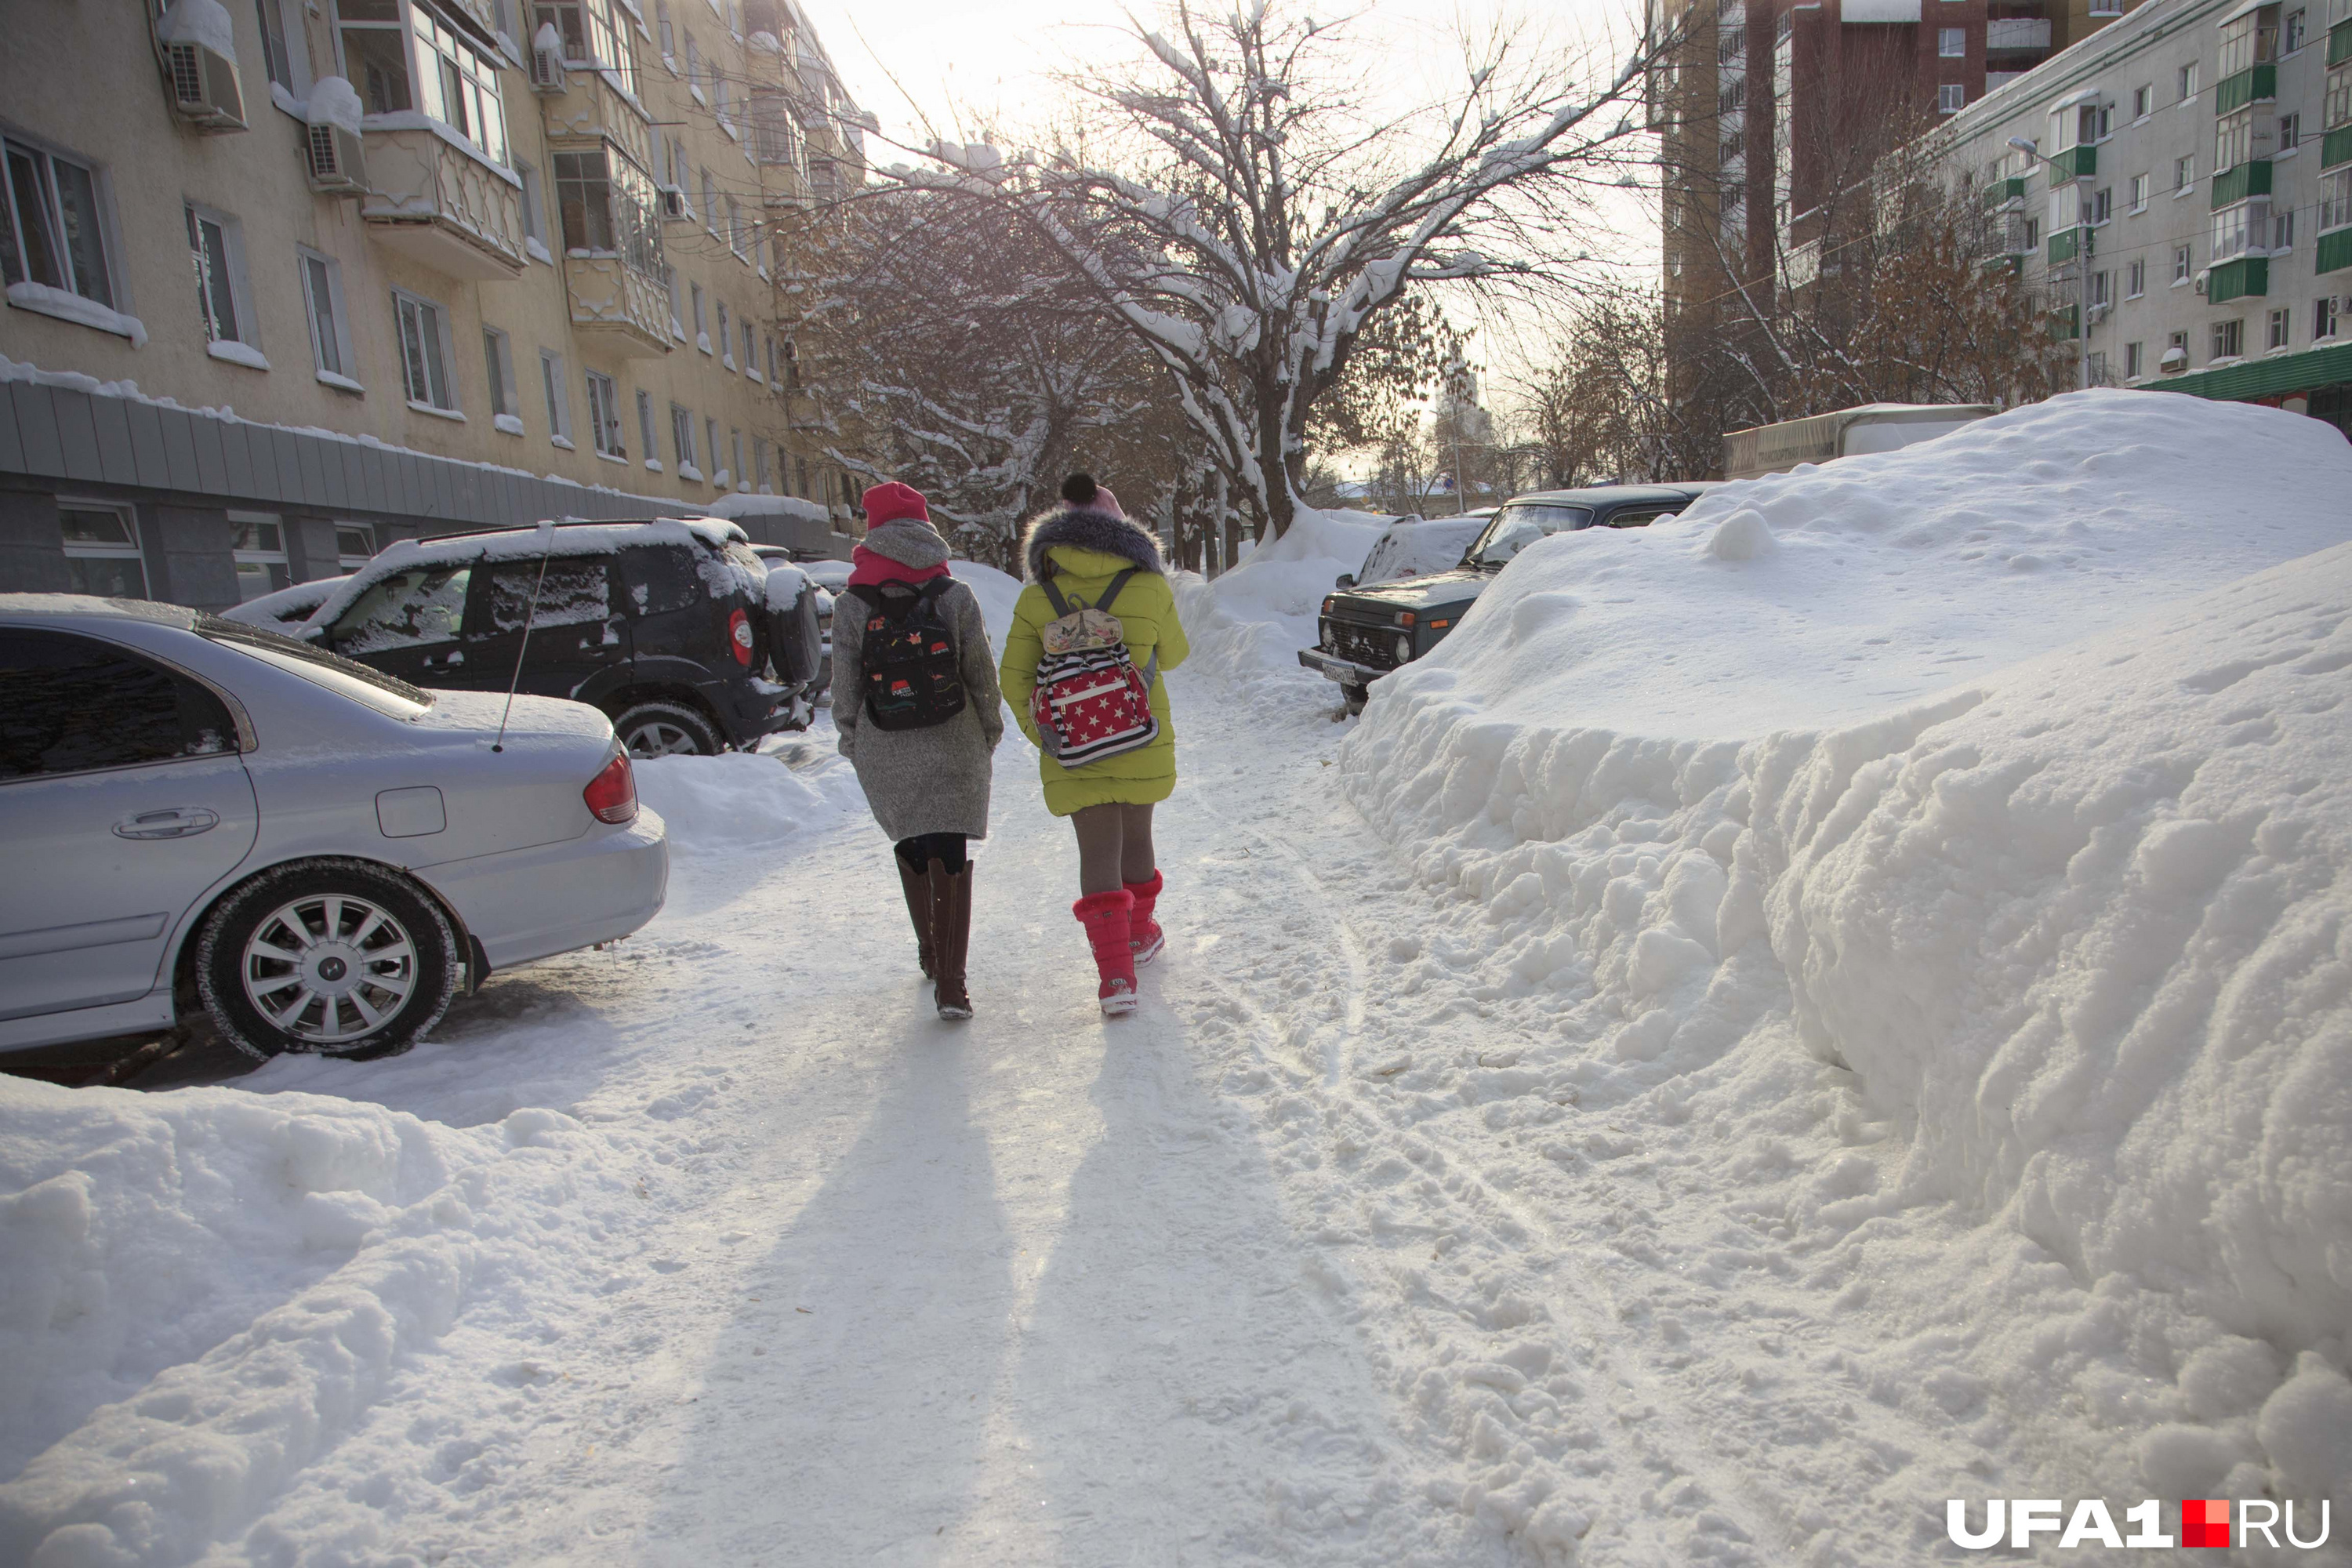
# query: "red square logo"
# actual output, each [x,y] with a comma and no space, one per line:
[2205,1522]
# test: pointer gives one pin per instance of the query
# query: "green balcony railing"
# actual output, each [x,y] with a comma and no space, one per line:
[2062,324]
[2067,244]
[2336,147]
[2074,163]
[2248,276]
[2339,42]
[2336,250]
[2235,184]
[2249,86]
[2002,192]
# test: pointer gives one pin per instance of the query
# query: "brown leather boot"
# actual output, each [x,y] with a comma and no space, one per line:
[917,886]
[951,906]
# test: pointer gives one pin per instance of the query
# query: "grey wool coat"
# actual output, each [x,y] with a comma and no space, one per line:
[920,780]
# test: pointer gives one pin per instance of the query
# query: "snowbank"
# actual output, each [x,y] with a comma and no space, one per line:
[996,592]
[740,801]
[1247,625]
[1806,777]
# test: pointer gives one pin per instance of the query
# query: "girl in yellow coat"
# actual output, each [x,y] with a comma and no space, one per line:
[1082,545]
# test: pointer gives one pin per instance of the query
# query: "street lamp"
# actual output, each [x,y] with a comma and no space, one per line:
[2081,290]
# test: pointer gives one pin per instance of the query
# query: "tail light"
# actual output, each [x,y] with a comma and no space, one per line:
[739,633]
[611,795]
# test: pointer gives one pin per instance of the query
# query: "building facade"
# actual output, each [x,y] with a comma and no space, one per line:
[450,263]
[1767,109]
[2180,188]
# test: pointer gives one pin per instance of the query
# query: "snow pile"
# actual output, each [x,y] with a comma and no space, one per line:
[203,22]
[996,592]
[1249,624]
[2065,941]
[333,102]
[741,802]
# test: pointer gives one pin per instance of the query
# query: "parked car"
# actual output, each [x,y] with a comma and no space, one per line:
[200,814]
[1415,547]
[1365,632]
[287,609]
[665,625]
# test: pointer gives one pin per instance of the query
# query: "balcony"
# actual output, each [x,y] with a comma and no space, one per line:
[2012,33]
[2063,326]
[2336,147]
[2248,276]
[2236,184]
[2339,43]
[2253,85]
[2074,163]
[2067,244]
[589,108]
[2001,192]
[441,205]
[2336,250]
[617,305]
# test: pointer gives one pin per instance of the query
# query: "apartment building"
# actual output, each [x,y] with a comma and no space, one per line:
[287,280]
[2180,188]
[1767,109]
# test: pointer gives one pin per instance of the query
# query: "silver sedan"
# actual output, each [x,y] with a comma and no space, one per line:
[198,813]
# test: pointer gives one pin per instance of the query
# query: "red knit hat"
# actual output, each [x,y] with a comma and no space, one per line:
[887,503]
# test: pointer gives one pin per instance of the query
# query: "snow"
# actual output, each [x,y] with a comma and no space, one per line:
[1620,1139]
[334,102]
[204,22]
[1415,547]
[274,611]
[785,586]
[68,306]
[996,592]
[722,576]
[736,507]
[1251,620]
[236,352]
[510,424]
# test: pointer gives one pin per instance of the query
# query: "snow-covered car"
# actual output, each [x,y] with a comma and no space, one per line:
[666,626]
[1365,632]
[287,608]
[198,813]
[1416,546]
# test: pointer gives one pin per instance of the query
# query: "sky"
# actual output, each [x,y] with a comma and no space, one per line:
[907,60]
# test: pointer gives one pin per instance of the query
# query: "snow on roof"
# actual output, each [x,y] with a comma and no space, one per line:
[531,544]
[742,506]
[204,22]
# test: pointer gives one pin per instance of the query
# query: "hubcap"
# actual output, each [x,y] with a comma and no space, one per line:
[329,968]
[660,737]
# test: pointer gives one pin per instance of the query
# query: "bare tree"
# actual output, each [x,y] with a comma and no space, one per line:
[1264,214]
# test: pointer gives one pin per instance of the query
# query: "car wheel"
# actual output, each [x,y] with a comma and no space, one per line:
[1355,697]
[345,958]
[667,729]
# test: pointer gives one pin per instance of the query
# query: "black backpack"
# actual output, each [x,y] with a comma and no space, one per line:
[913,677]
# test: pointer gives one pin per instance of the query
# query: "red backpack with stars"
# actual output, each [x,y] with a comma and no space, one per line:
[1091,702]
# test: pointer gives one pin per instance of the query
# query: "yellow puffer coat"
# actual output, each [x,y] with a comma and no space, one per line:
[1146,609]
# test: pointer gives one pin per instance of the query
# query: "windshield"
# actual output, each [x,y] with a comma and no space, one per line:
[1520,524]
[341,676]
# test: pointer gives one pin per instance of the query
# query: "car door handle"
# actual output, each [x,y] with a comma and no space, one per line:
[179,822]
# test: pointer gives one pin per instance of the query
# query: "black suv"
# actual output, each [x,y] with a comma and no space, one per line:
[667,625]
[1364,633]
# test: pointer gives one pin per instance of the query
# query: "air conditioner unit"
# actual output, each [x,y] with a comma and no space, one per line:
[335,161]
[673,205]
[205,91]
[547,69]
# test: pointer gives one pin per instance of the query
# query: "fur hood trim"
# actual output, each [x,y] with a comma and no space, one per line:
[1087,529]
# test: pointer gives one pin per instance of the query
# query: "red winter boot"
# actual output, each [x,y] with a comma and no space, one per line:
[1144,938]
[1105,917]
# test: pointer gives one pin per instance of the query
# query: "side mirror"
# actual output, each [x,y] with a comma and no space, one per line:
[1344,580]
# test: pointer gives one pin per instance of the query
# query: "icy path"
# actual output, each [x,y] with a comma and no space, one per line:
[1295,1266]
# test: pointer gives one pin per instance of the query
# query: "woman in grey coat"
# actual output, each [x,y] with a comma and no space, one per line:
[928,784]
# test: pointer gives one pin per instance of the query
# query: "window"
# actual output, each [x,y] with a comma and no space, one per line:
[275,60]
[709,205]
[681,435]
[375,53]
[605,415]
[669,277]
[710,446]
[2184,175]
[791,363]
[679,174]
[1952,43]
[759,464]
[571,593]
[2280,331]
[2248,39]
[2292,38]
[534,224]
[2099,298]
[719,110]
[2139,193]
[590,35]
[458,84]
[771,361]
[53,236]
[2234,230]
[2179,345]
[406,609]
[260,549]
[2034,234]
[2189,82]
[2281,231]
[646,429]
[2132,368]
[693,69]
[222,303]
[2134,279]
[701,325]
[608,209]
[2229,339]
[2335,199]
[331,337]
[2326,315]
[726,343]
[662,31]
[103,555]
[2290,132]
[739,233]
[2142,97]
[2337,109]
[2233,142]
[1951,98]
[2180,265]
[497,357]
[2100,204]
[78,704]
[800,463]
[750,360]
[354,543]
[735,458]
[559,406]
[424,353]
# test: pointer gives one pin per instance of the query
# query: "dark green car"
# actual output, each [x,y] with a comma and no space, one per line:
[1364,633]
